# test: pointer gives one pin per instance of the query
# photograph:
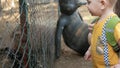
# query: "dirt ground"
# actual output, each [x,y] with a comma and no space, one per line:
[69,58]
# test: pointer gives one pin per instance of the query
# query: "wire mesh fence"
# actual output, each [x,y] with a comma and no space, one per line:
[27,33]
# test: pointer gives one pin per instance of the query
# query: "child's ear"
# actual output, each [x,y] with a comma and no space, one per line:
[103,4]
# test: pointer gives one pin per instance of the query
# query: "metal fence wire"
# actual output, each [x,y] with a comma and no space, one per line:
[27,30]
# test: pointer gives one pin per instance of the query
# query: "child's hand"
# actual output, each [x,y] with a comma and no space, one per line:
[87,55]
[90,27]
[89,38]
[116,66]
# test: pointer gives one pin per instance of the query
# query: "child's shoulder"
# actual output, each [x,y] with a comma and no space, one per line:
[113,21]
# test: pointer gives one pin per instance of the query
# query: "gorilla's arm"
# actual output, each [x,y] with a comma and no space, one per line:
[59,29]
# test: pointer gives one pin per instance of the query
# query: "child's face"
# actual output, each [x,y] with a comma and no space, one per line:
[94,7]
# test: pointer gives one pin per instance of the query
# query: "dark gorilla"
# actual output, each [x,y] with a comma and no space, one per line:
[71,25]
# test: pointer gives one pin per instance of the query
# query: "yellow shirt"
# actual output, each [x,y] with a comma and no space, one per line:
[97,46]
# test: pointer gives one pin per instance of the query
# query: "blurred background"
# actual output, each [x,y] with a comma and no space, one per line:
[27,30]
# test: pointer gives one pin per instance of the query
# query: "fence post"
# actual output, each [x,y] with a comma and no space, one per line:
[23,23]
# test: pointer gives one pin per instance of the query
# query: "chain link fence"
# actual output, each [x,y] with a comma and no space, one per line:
[27,30]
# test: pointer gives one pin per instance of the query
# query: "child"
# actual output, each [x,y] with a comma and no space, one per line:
[101,52]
